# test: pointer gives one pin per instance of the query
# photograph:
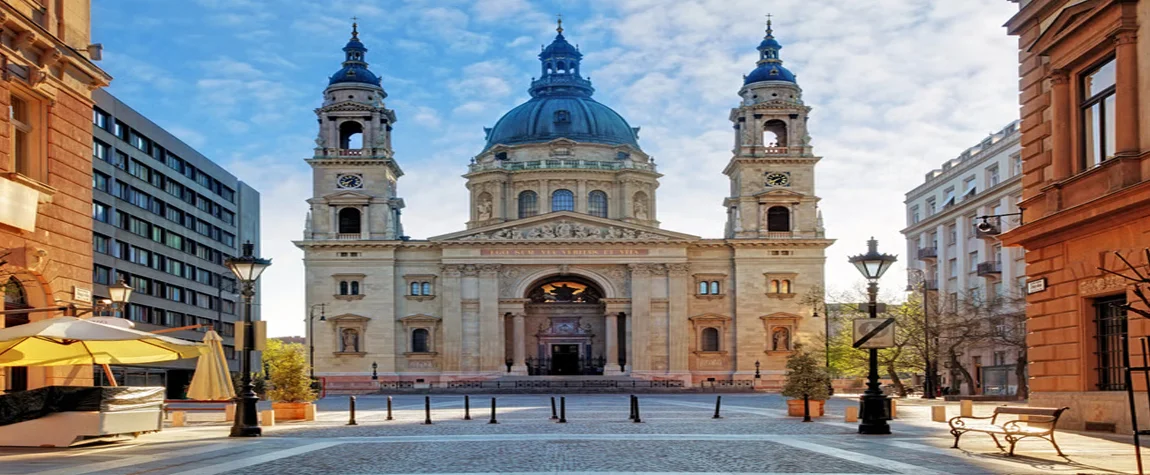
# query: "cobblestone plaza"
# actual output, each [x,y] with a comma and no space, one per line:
[677,435]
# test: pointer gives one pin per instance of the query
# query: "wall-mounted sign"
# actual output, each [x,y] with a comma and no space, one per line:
[874,333]
[1036,286]
[563,252]
[81,294]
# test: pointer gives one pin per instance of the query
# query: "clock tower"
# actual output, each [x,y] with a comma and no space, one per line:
[772,168]
[354,172]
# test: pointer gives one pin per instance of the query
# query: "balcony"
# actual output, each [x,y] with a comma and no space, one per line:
[561,164]
[793,235]
[990,269]
[348,237]
[928,253]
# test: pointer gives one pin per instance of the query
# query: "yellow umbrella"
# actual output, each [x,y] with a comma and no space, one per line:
[212,381]
[72,341]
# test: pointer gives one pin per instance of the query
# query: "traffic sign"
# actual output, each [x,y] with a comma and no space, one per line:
[873,333]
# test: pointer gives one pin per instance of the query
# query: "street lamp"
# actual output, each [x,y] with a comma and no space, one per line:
[247,269]
[929,379]
[119,293]
[311,334]
[827,344]
[875,407]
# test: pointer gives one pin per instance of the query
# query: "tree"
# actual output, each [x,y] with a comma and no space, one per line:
[287,372]
[806,379]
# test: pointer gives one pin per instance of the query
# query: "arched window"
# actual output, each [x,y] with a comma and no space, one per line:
[426,288]
[419,341]
[354,288]
[703,290]
[778,219]
[351,135]
[561,67]
[562,200]
[597,204]
[343,288]
[785,287]
[774,287]
[710,339]
[714,287]
[775,133]
[528,204]
[349,221]
[415,288]
[14,295]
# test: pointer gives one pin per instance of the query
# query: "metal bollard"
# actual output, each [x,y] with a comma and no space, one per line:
[492,421]
[637,418]
[427,410]
[562,409]
[389,408]
[554,415]
[718,401]
[631,414]
[351,409]
[466,407]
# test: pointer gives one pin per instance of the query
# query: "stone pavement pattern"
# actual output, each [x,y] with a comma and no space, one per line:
[677,435]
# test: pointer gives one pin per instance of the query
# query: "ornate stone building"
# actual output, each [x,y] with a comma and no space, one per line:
[562,268]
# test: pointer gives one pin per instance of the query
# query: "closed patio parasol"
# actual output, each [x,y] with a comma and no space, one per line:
[212,381]
[72,341]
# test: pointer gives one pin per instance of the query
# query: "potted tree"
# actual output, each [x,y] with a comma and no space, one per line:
[289,387]
[806,385]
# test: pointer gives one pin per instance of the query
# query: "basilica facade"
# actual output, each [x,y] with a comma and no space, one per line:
[563,268]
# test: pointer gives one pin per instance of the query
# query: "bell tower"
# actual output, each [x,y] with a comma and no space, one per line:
[354,173]
[772,168]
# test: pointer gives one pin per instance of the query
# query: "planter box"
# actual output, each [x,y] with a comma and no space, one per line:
[290,411]
[795,407]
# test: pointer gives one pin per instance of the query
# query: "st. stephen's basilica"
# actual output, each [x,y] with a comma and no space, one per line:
[563,269]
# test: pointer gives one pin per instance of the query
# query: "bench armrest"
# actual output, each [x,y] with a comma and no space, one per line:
[958,421]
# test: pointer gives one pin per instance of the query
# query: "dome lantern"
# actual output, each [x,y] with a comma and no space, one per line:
[770,65]
[354,68]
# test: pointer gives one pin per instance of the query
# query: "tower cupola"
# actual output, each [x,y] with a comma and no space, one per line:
[770,66]
[559,70]
[354,68]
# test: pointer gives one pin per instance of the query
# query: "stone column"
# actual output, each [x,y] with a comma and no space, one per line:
[519,363]
[1126,92]
[490,341]
[544,201]
[640,360]
[365,222]
[334,223]
[677,324]
[1060,148]
[452,318]
[581,196]
[611,337]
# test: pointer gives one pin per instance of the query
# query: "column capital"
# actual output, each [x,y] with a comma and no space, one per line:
[469,270]
[489,270]
[1125,37]
[679,269]
[1059,77]
[451,270]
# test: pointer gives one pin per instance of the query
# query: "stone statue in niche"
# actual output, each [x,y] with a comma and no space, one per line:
[349,343]
[641,209]
[485,208]
[781,339]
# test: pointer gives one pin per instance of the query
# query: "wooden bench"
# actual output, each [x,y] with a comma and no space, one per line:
[190,405]
[1029,422]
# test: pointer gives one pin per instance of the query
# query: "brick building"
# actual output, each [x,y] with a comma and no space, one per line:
[1086,193]
[46,81]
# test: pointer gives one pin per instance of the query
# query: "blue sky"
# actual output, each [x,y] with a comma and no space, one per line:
[897,87]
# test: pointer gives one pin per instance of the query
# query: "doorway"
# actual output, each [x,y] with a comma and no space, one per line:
[564,359]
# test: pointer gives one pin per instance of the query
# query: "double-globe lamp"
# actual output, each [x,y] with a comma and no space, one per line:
[247,269]
[875,407]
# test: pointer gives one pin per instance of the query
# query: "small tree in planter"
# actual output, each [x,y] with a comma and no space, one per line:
[806,379]
[289,387]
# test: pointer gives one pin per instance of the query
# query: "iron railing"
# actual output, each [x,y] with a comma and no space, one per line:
[1110,335]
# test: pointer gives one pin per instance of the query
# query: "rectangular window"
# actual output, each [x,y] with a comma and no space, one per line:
[228,217]
[1015,164]
[1098,89]
[948,198]
[121,161]
[25,156]
[139,227]
[914,216]
[970,185]
[229,240]
[173,240]
[99,118]
[139,170]
[140,142]
[202,227]
[953,268]
[951,234]
[227,194]
[99,212]
[120,190]
[99,150]
[931,207]
[120,130]
[174,162]
[1110,337]
[100,243]
[101,275]
[973,261]
[100,181]
[992,176]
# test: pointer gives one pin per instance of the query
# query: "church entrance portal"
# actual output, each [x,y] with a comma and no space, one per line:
[567,319]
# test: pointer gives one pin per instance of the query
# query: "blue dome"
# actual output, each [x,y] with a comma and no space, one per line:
[354,68]
[561,107]
[769,72]
[546,118]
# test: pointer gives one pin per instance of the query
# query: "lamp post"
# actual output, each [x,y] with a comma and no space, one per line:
[247,269]
[311,334]
[928,379]
[875,407]
[826,344]
[119,295]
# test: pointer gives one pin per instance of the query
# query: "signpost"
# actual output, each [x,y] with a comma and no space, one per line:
[873,333]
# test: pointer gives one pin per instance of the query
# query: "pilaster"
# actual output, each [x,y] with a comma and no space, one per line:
[491,338]
[452,317]
[640,360]
[678,325]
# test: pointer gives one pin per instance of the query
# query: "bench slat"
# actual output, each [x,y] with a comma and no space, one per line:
[1030,411]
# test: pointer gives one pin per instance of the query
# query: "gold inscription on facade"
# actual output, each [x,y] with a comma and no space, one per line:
[563,252]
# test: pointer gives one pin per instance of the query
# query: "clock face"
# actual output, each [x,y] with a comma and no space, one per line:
[778,179]
[350,181]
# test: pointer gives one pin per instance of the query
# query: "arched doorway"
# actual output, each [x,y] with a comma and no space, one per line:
[565,325]
[15,298]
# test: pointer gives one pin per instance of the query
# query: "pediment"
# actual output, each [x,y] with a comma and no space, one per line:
[780,317]
[420,319]
[780,193]
[349,317]
[565,226]
[1066,20]
[347,196]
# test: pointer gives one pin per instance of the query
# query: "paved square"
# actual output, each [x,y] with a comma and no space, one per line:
[677,435]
